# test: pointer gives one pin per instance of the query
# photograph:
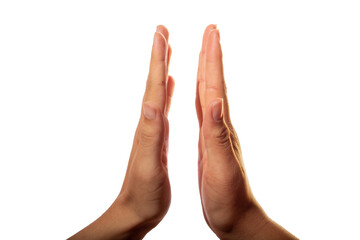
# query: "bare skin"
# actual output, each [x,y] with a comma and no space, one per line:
[145,195]
[229,206]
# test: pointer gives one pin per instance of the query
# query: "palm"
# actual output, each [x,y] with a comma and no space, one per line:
[222,188]
[150,192]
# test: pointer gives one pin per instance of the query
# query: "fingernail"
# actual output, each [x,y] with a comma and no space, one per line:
[157,28]
[149,111]
[217,33]
[217,109]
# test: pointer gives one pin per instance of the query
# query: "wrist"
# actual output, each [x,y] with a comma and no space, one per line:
[248,224]
[255,224]
[128,223]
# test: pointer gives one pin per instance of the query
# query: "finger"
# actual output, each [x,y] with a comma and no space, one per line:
[163,30]
[214,74]
[155,75]
[200,101]
[152,134]
[170,92]
[169,57]
[217,135]
[156,84]
[201,68]
[197,98]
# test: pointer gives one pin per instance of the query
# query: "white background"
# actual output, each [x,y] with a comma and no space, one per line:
[72,76]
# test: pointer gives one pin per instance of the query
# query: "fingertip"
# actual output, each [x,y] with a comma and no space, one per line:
[169,50]
[169,53]
[213,48]
[170,92]
[208,29]
[160,39]
[157,77]
[163,30]
[171,86]
[214,36]
[159,46]
[212,26]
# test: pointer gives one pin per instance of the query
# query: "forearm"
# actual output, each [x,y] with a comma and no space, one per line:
[117,223]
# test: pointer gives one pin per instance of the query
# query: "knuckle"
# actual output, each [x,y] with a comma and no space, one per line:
[223,136]
[212,87]
[234,138]
[148,137]
[151,83]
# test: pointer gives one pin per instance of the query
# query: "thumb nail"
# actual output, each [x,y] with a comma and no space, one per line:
[149,111]
[217,109]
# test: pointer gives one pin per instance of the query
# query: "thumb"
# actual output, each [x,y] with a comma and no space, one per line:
[216,133]
[151,135]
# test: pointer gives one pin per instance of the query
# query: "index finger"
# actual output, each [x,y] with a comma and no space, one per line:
[215,86]
[156,90]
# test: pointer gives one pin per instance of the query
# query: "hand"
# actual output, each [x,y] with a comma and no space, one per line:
[229,206]
[145,195]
